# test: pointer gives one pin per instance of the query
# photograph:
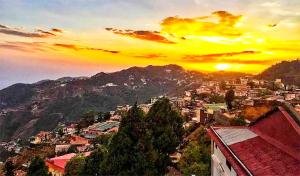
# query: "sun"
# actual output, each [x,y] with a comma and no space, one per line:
[222,67]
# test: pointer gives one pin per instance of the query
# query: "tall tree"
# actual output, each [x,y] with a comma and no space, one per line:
[165,127]
[9,168]
[37,167]
[196,158]
[126,156]
[94,164]
[229,97]
[75,166]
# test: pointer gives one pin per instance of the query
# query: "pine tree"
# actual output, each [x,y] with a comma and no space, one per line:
[229,97]
[75,166]
[165,127]
[37,167]
[127,155]
[94,163]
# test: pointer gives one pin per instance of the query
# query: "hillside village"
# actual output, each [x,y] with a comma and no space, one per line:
[229,103]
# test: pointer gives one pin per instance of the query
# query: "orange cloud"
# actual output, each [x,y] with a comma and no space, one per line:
[219,23]
[67,46]
[76,48]
[143,35]
[150,56]
[221,57]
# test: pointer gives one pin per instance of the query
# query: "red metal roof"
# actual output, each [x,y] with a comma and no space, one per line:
[274,151]
[59,163]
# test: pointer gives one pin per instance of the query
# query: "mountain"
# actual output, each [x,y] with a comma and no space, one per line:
[288,71]
[26,109]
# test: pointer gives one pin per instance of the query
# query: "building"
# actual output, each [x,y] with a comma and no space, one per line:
[101,128]
[56,165]
[41,137]
[269,146]
[78,140]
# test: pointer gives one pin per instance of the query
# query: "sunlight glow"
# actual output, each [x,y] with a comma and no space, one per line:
[222,67]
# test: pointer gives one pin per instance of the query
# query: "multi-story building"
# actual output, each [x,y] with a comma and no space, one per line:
[269,146]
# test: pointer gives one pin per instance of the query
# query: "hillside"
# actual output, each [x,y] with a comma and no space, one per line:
[288,71]
[28,108]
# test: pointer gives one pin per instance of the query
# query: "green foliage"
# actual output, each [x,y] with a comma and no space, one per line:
[103,140]
[37,167]
[126,155]
[72,149]
[143,144]
[195,159]
[165,126]
[240,121]
[75,166]
[94,164]
[229,97]
[9,168]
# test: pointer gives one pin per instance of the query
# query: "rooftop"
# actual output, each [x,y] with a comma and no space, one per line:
[269,146]
[104,126]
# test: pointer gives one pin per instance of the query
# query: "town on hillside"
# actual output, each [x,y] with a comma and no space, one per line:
[242,126]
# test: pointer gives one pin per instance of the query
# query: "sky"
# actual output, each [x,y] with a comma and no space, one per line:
[51,39]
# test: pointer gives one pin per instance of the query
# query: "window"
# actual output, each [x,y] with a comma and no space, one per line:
[228,164]
[216,146]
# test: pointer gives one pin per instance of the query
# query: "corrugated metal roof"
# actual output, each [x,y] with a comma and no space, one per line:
[235,135]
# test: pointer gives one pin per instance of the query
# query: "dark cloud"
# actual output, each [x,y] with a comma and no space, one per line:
[142,34]
[17,32]
[104,50]
[76,48]
[2,26]
[68,46]
[223,57]
[45,32]
[57,30]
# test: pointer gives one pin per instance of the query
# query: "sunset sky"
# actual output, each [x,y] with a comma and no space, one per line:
[50,39]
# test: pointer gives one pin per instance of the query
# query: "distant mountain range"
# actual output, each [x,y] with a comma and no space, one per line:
[29,108]
[288,71]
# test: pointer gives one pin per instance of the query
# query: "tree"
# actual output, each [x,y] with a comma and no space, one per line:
[240,121]
[60,132]
[106,116]
[222,85]
[165,127]
[75,166]
[9,168]
[94,164]
[37,167]
[229,97]
[196,158]
[251,84]
[128,148]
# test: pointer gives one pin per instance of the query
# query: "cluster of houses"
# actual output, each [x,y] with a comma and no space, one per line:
[232,147]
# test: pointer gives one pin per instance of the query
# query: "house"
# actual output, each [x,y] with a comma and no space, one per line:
[62,148]
[41,137]
[268,146]
[70,129]
[102,128]
[56,165]
[78,140]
